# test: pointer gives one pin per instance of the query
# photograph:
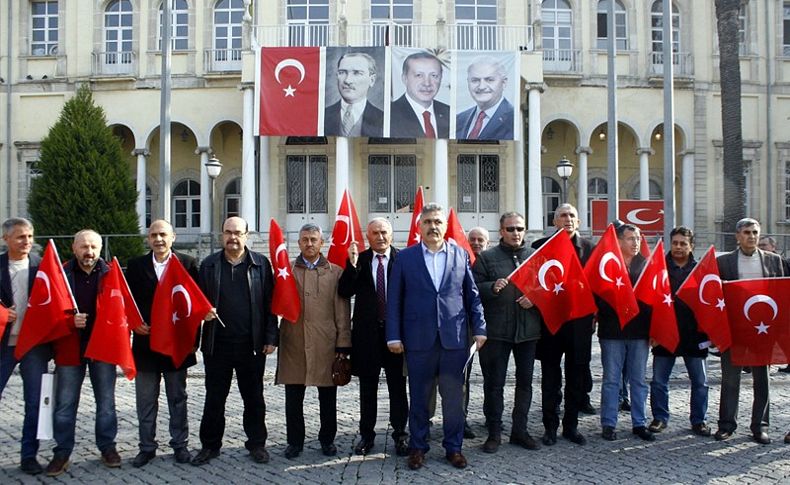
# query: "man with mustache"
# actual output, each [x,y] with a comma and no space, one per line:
[492,116]
[354,115]
[416,114]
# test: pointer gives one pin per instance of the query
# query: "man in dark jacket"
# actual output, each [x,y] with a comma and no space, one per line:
[574,340]
[693,346]
[365,277]
[239,283]
[513,327]
[143,274]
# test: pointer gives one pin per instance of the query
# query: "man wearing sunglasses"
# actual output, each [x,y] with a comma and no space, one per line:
[513,327]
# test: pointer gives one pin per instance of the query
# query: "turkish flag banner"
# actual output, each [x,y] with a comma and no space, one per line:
[608,277]
[116,315]
[455,232]
[759,321]
[289,91]
[285,299]
[346,231]
[704,294]
[180,307]
[414,228]
[653,289]
[50,306]
[553,279]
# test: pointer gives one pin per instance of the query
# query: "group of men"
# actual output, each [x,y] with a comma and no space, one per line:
[417,311]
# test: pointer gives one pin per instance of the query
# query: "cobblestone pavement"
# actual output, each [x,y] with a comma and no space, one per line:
[676,457]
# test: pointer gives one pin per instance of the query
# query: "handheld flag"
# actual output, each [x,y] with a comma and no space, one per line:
[346,231]
[653,288]
[414,227]
[285,300]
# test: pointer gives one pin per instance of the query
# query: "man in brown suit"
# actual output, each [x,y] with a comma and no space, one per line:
[309,346]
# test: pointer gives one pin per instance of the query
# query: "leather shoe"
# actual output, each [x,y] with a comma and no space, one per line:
[644,433]
[657,426]
[608,433]
[722,435]
[402,447]
[492,444]
[625,405]
[457,459]
[111,458]
[416,459]
[701,429]
[204,456]
[588,408]
[468,433]
[292,451]
[525,441]
[329,449]
[182,455]
[363,447]
[787,438]
[549,437]
[260,455]
[142,459]
[31,466]
[574,436]
[58,465]
[761,437]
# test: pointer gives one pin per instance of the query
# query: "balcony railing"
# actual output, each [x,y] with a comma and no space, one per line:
[489,37]
[296,35]
[222,60]
[682,64]
[562,60]
[114,63]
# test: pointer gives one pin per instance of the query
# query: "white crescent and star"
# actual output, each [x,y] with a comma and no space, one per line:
[181,289]
[609,256]
[282,272]
[542,275]
[347,221]
[633,216]
[705,280]
[290,62]
[116,293]
[44,276]
[762,327]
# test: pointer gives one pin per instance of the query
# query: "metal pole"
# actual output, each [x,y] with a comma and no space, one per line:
[564,190]
[669,124]
[612,173]
[211,217]
[164,114]
[8,80]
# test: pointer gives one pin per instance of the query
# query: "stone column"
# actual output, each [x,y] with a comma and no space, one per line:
[265,187]
[644,171]
[205,181]
[441,175]
[534,190]
[342,147]
[248,161]
[520,192]
[141,154]
[687,188]
[581,202]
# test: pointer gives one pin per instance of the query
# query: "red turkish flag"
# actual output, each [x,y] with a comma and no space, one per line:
[285,299]
[176,320]
[288,86]
[414,228]
[644,249]
[346,231]
[553,279]
[653,288]
[707,301]
[50,306]
[608,277]
[455,232]
[116,315]
[759,320]
[3,318]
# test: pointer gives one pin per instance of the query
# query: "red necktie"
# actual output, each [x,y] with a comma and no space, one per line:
[478,126]
[429,132]
[381,291]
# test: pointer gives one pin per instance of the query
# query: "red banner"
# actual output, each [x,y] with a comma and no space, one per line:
[289,91]
[647,215]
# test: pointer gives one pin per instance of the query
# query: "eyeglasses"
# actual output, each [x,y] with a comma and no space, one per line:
[515,228]
[234,233]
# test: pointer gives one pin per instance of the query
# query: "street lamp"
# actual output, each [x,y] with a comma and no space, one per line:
[213,168]
[564,170]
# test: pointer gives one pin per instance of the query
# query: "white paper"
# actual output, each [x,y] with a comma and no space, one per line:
[472,351]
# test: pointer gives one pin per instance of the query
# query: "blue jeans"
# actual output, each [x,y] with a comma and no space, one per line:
[33,364]
[68,387]
[659,388]
[7,362]
[617,355]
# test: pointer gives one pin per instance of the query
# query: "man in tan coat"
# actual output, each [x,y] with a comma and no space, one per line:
[309,346]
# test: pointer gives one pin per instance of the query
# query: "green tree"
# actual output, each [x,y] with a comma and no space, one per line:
[732,137]
[85,182]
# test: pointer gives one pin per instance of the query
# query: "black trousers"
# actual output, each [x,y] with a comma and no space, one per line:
[494,358]
[398,402]
[249,369]
[552,350]
[294,414]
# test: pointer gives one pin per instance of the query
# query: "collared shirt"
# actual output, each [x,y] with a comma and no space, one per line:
[489,114]
[309,264]
[374,266]
[159,268]
[419,109]
[356,109]
[435,262]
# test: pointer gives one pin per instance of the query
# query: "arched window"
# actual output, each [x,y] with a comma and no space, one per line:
[620,24]
[558,53]
[186,205]
[657,27]
[655,191]
[232,198]
[179,26]
[597,189]
[551,199]
[228,15]
[118,36]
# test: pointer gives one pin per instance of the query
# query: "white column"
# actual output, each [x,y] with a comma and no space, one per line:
[520,192]
[441,174]
[535,194]
[644,172]
[342,147]
[205,197]
[141,154]
[581,202]
[248,162]
[265,187]
[687,188]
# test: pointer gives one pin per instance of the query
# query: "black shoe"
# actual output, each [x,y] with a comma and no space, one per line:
[31,466]
[701,429]
[525,441]
[549,437]
[644,433]
[143,458]
[761,437]
[292,451]
[329,449]
[608,433]
[588,408]
[182,455]
[722,435]
[402,447]
[363,447]
[204,456]
[468,433]
[574,436]
[787,438]
[260,455]
[657,426]
[625,405]
[747,370]
[492,444]
[785,369]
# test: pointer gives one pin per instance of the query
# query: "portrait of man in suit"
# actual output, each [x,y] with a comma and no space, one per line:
[417,114]
[354,114]
[491,118]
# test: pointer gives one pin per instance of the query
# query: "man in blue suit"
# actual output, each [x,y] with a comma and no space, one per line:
[492,116]
[432,305]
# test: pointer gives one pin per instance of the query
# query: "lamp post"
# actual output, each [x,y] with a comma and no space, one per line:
[564,170]
[213,168]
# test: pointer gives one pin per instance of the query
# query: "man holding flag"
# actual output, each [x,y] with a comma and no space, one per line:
[18,269]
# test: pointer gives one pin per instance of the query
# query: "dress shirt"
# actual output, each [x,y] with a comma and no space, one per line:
[435,262]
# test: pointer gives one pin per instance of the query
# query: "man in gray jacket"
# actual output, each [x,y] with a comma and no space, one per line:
[513,326]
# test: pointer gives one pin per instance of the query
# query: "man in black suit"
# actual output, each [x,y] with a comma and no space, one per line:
[143,274]
[366,277]
[416,114]
[354,115]
[491,118]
